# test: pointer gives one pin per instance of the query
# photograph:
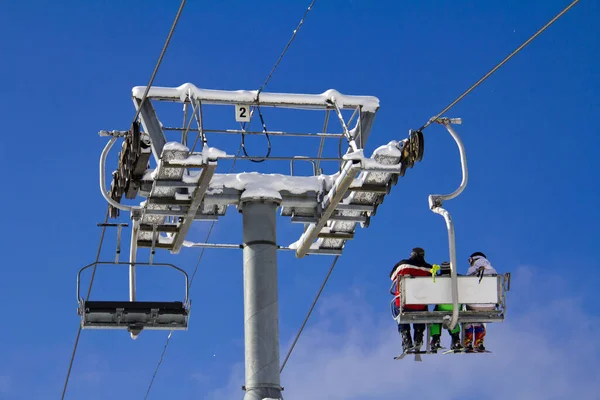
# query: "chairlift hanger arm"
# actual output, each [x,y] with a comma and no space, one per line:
[437,199]
[435,204]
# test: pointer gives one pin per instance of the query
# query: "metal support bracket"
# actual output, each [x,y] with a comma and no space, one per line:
[119,230]
[152,126]
[203,182]
[155,235]
[339,189]
[135,217]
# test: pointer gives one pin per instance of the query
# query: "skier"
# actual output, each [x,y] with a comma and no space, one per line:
[415,265]
[436,329]
[479,266]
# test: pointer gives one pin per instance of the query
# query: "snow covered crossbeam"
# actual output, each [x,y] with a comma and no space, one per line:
[243,103]
[292,100]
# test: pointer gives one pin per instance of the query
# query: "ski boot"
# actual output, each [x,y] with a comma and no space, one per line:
[468,344]
[418,339]
[406,341]
[479,335]
[435,343]
[479,344]
[456,345]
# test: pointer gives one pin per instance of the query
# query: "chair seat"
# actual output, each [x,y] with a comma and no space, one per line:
[152,315]
[436,317]
[172,307]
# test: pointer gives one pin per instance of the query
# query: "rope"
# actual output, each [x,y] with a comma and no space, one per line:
[433,119]
[76,344]
[289,353]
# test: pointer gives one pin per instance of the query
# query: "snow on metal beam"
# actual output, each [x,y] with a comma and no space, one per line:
[331,201]
[207,173]
[292,100]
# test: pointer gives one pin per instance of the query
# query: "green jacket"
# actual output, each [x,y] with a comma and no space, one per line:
[444,307]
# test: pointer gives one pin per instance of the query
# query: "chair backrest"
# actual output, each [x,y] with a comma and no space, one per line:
[423,290]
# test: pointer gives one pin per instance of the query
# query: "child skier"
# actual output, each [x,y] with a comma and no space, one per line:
[479,266]
[436,329]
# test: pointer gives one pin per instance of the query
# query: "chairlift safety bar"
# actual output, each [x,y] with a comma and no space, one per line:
[186,301]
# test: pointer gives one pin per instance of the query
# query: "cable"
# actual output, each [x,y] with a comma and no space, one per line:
[162,53]
[243,145]
[159,362]
[309,313]
[499,65]
[285,49]
[86,299]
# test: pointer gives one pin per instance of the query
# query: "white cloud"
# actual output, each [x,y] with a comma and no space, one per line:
[546,349]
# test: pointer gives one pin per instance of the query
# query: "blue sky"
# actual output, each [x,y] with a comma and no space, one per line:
[530,133]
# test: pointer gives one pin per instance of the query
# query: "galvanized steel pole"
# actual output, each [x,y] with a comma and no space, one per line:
[261,307]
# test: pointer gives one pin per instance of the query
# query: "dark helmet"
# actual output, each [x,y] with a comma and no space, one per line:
[476,254]
[417,251]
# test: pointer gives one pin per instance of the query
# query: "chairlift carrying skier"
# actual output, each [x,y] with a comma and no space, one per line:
[478,266]
[415,265]
[436,329]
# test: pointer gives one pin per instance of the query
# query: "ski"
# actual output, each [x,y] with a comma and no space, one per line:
[464,351]
[435,351]
[417,354]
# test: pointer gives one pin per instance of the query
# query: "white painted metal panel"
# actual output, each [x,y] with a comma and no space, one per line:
[423,290]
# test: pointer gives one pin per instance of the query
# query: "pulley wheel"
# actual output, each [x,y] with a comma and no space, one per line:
[421,140]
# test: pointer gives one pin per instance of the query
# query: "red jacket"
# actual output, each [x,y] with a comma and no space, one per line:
[414,266]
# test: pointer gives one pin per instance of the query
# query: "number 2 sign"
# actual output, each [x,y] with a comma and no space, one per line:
[242,113]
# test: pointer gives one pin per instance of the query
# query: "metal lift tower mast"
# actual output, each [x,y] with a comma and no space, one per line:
[184,187]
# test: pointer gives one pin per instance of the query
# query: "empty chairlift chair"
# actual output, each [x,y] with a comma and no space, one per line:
[134,315]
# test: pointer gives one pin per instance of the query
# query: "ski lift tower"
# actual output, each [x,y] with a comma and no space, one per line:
[185,187]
